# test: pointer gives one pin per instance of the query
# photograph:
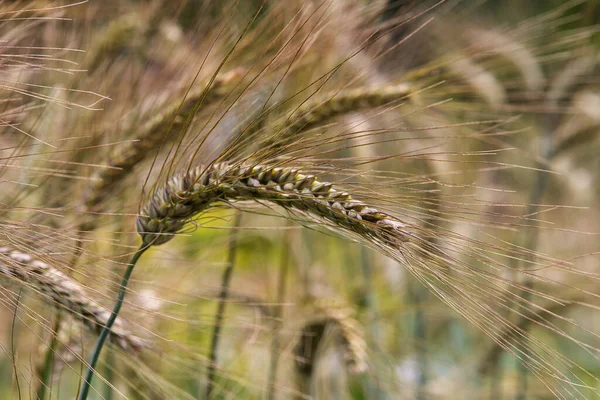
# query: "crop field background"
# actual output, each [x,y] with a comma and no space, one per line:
[312,199]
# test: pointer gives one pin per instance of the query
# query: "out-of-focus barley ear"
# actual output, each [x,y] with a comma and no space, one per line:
[517,53]
[482,81]
[319,109]
[570,76]
[159,130]
[120,35]
[330,317]
[65,294]
[581,128]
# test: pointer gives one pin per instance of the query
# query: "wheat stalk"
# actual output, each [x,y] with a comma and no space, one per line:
[192,192]
[66,294]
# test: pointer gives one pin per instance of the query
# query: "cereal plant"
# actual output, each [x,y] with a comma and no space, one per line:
[337,199]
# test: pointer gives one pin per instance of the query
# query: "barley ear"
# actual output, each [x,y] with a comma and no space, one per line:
[154,133]
[195,191]
[321,108]
[66,294]
[349,331]
[115,38]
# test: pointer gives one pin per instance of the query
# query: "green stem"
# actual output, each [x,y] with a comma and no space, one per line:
[109,374]
[46,371]
[529,240]
[212,363]
[420,337]
[281,288]
[111,320]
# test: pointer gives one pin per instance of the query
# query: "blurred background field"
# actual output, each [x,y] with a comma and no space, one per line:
[494,149]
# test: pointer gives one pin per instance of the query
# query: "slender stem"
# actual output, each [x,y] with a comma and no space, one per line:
[496,391]
[45,372]
[420,337]
[284,266]
[369,301]
[109,371]
[225,281]
[109,374]
[85,389]
[529,237]
[13,353]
